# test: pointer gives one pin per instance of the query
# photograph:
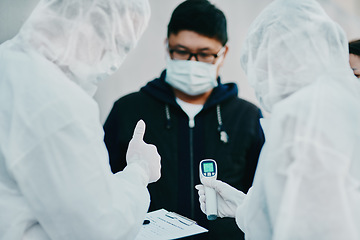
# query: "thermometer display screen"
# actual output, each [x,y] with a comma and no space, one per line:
[208,167]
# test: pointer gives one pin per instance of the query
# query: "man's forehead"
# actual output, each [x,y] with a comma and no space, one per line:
[194,41]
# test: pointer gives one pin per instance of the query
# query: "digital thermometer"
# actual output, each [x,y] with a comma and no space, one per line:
[208,169]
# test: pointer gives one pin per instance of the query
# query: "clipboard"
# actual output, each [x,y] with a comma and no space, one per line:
[165,225]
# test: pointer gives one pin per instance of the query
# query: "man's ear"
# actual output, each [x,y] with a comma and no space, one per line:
[224,55]
[226,50]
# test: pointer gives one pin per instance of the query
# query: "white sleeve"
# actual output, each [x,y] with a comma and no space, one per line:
[315,196]
[240,214]
[308,186]
[61,166]
[252,215]
[302,188]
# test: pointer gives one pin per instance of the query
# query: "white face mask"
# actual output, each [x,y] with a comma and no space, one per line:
[191,77]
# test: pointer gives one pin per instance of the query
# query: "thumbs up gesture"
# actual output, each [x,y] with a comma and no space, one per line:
[145,155]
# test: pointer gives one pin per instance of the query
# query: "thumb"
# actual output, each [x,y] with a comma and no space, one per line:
[139,130]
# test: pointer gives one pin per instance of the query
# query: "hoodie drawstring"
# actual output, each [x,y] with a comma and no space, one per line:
[223,135]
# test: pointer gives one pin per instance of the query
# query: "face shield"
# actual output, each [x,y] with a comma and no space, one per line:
[87,39]
[288,48]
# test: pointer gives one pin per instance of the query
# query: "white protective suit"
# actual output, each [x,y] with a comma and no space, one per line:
[55,179]
[307,184]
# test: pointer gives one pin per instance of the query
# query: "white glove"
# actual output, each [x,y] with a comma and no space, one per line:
[145,155]
[228,198]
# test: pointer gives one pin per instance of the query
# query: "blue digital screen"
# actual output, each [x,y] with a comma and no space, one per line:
[208,167]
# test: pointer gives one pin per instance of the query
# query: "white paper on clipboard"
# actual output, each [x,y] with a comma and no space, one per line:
[165,225]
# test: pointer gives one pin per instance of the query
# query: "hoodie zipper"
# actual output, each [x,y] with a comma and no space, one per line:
[223,138]
[192,180]
[191,156]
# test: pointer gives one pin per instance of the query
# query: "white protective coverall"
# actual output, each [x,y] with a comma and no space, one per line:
[307,184]
[55,179]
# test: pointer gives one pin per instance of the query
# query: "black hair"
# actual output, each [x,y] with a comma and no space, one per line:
[354,47]
[201,17]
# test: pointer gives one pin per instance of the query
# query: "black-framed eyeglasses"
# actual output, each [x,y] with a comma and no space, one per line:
[178,54]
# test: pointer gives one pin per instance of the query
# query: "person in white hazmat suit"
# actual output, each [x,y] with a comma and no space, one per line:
[55,178]
[307,184]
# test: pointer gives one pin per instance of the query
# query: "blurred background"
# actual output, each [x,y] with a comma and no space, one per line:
[147,60]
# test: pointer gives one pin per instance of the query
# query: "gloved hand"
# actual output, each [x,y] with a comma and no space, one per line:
[145,155]
[228,198]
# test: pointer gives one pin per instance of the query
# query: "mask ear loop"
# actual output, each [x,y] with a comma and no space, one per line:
[220,56]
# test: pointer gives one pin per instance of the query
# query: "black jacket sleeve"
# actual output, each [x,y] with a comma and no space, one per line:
[116,148]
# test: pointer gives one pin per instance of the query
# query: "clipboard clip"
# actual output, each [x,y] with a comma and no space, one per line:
[182,219]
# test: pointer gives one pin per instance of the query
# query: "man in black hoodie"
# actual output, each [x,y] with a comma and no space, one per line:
[190,116]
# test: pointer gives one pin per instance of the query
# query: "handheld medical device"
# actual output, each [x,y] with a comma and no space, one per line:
[208,169]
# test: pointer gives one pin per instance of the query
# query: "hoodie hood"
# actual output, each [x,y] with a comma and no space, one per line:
[162,91]
[87,39]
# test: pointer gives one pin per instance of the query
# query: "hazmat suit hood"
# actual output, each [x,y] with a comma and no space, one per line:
[291,44]
[87,39]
